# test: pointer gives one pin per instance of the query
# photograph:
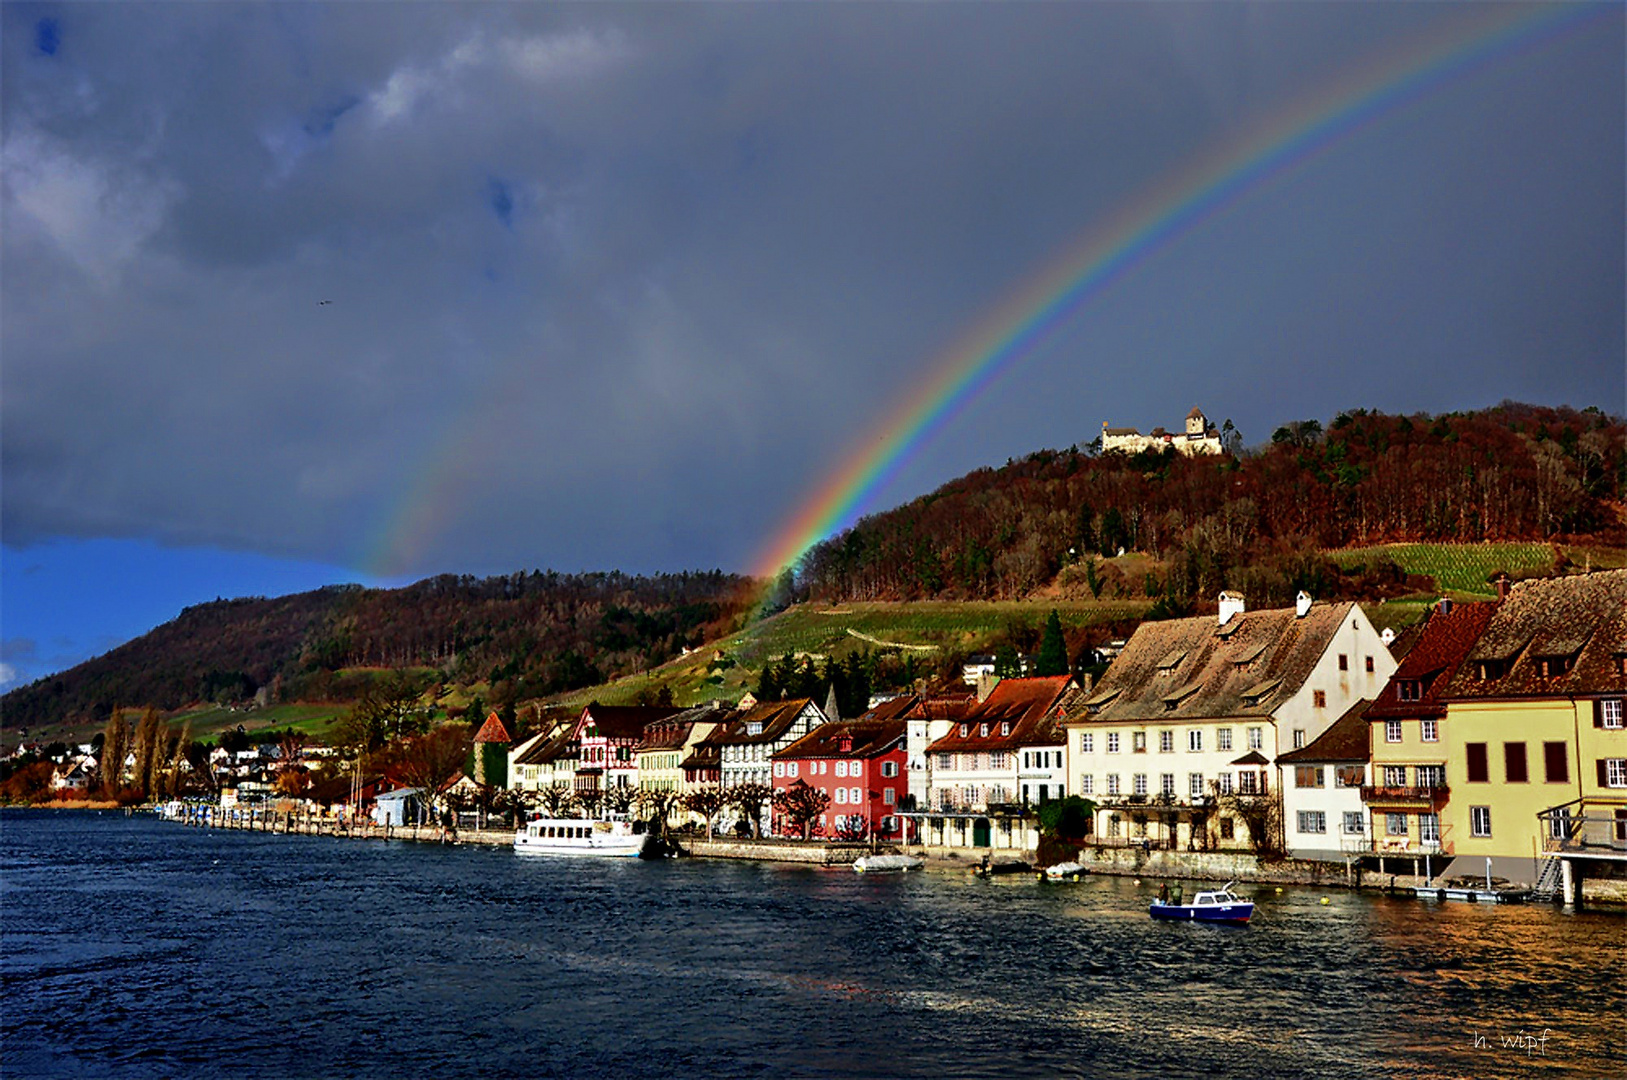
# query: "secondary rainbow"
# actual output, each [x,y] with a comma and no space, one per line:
[1206,187]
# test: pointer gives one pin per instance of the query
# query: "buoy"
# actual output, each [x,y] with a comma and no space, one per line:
[1326,901]
[1279,888]
[1138,881]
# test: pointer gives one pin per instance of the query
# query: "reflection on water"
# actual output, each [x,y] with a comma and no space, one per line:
[134,948]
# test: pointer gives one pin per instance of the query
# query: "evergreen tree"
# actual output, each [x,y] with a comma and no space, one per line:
[1053,649]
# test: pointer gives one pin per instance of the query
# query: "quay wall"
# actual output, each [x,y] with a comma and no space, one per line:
[793,851]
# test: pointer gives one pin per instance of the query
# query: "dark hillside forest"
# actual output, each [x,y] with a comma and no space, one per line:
[1513,472]
[525,634]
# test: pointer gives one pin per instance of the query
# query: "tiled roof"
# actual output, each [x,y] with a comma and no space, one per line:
[1437,652]
[1346,740]
[670,733]
[1026,706]
[1581,620]
[774,717]
[493,731]
[893,708]
[865,739]
[545,751]
[1181,669]
[624,721]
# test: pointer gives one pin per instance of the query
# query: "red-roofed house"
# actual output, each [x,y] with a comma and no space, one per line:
[609,736]
[859,764]
[974,786]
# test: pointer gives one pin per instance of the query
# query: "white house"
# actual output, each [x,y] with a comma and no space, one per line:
[1323,816]
[1177,741]
[1200,437]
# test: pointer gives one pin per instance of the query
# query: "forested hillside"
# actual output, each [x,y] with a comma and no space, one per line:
[1514,472]
[524,634]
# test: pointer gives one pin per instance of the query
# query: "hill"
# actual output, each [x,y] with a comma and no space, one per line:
[1512,473]
[518,636]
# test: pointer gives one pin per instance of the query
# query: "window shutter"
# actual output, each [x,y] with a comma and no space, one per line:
[1604,776]
[1598,718]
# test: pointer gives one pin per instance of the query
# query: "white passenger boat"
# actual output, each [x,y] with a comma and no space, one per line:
[579,836]
[870,864]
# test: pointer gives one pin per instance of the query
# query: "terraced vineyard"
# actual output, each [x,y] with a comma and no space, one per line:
[1464,569]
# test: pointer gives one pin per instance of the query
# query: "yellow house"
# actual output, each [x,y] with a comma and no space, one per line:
[1534,735]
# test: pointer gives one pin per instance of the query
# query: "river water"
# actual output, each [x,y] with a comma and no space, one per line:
[137,948]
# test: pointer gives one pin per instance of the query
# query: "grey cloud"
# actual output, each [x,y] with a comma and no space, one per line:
[616,284]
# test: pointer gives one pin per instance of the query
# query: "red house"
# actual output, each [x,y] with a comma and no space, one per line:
[860,766]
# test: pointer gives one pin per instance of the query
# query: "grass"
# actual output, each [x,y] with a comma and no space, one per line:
[1458,569]
[925,628]
[314,719]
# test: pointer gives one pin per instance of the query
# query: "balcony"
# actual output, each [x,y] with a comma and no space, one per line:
[1604,835]
[1407,798]
[1393,845]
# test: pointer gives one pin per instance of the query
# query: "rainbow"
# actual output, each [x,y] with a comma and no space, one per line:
[1199,192]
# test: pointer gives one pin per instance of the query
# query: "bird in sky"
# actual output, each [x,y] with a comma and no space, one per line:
[323,303]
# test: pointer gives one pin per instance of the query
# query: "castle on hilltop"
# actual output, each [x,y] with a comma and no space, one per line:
[1200,437]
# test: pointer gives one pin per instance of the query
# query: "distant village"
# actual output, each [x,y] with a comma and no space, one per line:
[1488,740]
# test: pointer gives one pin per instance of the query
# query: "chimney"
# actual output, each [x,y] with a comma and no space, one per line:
[1501,581]
[1302,604]
[1443,606]
[1231,603]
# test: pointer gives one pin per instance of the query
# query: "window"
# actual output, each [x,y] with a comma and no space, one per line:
[1395,776]
[1299,738]
[1409,690]
[1308,776]
[1313,821]
[839,795]
[1166,742]
[1167,784]
[1429,731]
[1514,765]
[889,796]
[779,768]
[1392,731]
[1223,738]
[1319,698]
[1559,823]
[1113,783]
[1194,742]
[1344,665]
[1474,755]
[1348,776]
[855,795]
[1087,784]
[1369,665]
[1610,713]
[841,768]
[1087,743]
[1395,825]
[1112,742]
[1354,823]
[1247,783]
[1479,821]
[1194,785]
[1138,742]
[997,760]
[944,761]
[1613,772]
[1005,727]
[982,731]
[1429,828]
[1114,824]
[1555,763]
[1224,783]
[1432,776]
[1256,738]
[1140,783]
[1227,829]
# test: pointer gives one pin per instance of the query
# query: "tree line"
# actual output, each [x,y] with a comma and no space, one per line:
[1513,472]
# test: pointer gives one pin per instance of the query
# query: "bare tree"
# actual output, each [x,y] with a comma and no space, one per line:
[801,804]
[618,799]
[748,800]
[657,805]
[707,802]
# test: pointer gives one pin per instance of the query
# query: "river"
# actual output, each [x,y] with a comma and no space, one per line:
[137,948]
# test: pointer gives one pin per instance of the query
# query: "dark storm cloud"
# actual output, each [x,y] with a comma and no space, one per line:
[616,285]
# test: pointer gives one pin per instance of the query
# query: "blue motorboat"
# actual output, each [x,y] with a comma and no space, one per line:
[1221,905]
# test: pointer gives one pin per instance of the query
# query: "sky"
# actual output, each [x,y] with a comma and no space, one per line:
[295,294]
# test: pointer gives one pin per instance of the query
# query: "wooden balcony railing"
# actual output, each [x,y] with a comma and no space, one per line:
[1410,798]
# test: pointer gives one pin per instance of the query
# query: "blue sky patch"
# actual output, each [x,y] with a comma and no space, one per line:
[47,36]
[502,201]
